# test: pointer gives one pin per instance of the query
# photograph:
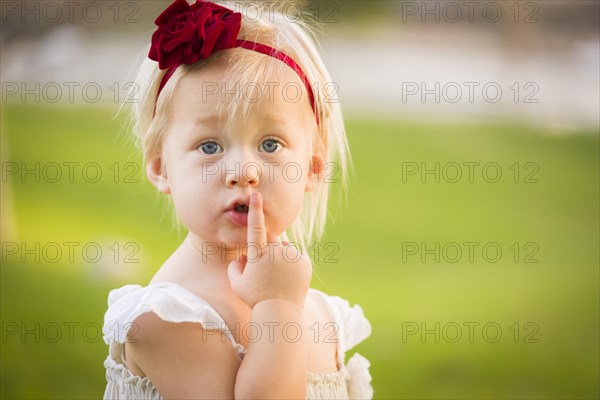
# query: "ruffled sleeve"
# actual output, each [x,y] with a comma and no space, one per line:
[353,328]
[168,301]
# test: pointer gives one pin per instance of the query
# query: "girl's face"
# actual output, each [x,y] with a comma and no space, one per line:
[209,166]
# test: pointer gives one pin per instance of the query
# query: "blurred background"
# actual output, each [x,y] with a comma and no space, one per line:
[469,235]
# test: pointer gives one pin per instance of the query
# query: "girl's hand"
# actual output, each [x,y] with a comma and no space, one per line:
[278,271]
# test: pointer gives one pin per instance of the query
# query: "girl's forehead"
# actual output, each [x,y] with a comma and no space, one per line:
[217,95]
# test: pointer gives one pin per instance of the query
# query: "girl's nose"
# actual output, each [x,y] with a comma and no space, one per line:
[242,175]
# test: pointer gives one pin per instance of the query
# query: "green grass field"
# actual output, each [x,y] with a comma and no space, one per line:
[542,291]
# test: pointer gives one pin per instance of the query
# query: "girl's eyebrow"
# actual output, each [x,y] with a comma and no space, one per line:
[192,131]
[204,119]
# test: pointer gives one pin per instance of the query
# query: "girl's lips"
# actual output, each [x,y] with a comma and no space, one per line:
[238,218]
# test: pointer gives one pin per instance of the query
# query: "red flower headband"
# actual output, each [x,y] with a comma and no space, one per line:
[189,33]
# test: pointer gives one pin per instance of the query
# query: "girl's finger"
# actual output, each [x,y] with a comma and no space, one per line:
[257,233]
[271,238]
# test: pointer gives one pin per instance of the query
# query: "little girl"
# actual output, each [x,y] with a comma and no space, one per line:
[237,126]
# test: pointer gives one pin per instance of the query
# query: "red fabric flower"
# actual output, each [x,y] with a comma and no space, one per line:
[188,33]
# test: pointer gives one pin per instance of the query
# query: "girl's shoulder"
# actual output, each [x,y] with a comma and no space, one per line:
[169,301]
[351,324]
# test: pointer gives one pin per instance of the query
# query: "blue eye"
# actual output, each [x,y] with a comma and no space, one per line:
[270,145]
[210,148]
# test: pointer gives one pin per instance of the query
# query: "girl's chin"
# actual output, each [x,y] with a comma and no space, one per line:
[230,239]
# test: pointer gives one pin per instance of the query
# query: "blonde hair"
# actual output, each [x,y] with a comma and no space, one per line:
[293,36]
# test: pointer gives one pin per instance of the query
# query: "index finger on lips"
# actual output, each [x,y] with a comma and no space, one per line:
[257,233]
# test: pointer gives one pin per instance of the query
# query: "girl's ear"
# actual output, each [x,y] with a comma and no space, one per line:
[156,175]
[315,172]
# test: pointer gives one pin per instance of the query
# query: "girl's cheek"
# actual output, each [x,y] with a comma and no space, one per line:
[200,174]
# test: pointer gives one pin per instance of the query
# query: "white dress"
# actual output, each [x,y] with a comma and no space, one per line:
[174,303]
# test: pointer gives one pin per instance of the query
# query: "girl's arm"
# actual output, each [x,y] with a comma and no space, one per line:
[182,360]
[275,286]
[275,364]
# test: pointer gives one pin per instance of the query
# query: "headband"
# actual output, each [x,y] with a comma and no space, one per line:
[188,33]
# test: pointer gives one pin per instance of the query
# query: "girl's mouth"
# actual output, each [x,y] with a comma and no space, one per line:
[241,208]
[238,215]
